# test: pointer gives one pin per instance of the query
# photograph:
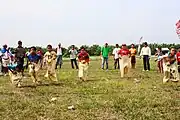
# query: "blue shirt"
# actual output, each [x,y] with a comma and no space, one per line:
[33,58]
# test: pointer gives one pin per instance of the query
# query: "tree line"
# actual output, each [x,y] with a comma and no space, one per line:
[95,50]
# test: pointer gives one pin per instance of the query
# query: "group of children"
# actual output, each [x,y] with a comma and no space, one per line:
[169,64]
[13,63]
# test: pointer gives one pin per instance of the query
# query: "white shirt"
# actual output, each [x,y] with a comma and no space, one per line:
[73,53]
[59,51]
[145,51]
[115,53]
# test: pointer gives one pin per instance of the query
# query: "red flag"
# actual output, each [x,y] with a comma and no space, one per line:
[178,24]
[178,28]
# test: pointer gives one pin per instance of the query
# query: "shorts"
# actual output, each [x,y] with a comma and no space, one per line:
[20,63]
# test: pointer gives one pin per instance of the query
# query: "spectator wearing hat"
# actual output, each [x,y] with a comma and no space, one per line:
[133,53]
[105,55]
[146,54]
[59,56]
[124,56]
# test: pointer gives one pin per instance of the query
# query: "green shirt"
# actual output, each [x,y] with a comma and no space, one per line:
[105,51]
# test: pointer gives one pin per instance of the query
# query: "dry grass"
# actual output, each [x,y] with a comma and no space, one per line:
[105,96]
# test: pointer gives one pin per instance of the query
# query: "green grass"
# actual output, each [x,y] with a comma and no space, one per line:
[105,96]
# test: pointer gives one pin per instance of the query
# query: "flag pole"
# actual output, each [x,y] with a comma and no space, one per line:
[139,45]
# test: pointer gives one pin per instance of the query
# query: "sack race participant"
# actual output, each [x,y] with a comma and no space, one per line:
[170,67]
[124,55]
[14,74]
[20,53]
[83,58]
[6,56]
[50,59]
[133,53]
[33,64]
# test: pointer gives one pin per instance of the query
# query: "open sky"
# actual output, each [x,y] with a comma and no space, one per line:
[42,22]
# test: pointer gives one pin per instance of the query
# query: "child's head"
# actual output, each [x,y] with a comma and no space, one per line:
[123,46]
[117,45]
[159,49]
[173,51]
[132,45]
[49,48]
[83,50]
[179,49]
[33,50]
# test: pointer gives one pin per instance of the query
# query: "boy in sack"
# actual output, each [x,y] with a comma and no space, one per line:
[33,64]
[124,56]
[83,58]
[50,59]
[170,67]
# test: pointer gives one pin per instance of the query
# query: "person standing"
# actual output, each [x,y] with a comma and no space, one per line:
[73,55]
[159,60]
[104,55]
[20,53]
[146,53]
[133,53]
[116,56]
[59,56]
[83,58]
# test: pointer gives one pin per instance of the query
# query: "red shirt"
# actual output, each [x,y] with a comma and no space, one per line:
[123,52]
[83,56]
[178,56]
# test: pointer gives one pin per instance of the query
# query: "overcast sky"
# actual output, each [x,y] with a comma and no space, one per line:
[42,22]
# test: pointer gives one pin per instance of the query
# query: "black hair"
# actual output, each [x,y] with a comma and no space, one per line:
[33,48]
[49,46]
[145,43]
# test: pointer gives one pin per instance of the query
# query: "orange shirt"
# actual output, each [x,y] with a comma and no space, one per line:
[133,51]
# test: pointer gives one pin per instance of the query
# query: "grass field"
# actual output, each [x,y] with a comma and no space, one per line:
[105,96]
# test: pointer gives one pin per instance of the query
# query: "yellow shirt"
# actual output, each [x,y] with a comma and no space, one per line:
[133,51]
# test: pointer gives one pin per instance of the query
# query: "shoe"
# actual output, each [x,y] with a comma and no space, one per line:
[147,70]
[143,70]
